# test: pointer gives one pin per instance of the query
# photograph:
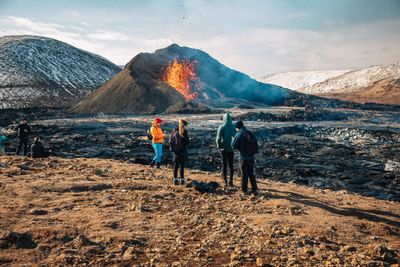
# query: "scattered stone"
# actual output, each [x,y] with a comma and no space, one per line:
[260,262]
[39,212]
[17,240]
[203,187]
[387,255]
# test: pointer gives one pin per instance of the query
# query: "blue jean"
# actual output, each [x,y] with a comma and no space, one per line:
[158,150]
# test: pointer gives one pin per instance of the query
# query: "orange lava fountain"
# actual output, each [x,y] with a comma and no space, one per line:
[182,76]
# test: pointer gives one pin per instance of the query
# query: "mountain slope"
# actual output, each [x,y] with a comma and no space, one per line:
[43,72]
[386,91]
[123,94]
[194,75]
[297,79]
[361,82]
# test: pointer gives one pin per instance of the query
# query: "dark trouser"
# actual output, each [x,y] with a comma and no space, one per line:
[227,159]
[23,143]
[179,164]
[247,167]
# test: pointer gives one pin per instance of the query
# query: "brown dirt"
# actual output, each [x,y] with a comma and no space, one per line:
[96,212]
[123,94]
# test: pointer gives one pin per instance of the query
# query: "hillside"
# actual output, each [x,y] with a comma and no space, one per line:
[298,79]
[386,91]
[43,72]
[373,84]
[103,212]
[154,82]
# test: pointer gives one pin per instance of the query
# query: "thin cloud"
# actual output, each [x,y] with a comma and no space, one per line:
[264,37]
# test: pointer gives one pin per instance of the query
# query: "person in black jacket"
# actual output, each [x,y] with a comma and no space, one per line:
[178,143]
[38,150]
[23,132]
[239,142]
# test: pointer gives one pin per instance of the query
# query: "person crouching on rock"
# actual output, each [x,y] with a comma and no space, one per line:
[38,150]
[157,141]
[247,144]
[23,132]
[178,143]
[226,132]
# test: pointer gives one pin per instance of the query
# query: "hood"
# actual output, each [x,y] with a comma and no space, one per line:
[227,119]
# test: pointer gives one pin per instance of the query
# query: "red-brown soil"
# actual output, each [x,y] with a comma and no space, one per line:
[92,212]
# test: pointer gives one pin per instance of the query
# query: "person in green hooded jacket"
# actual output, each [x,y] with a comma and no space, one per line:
[226,132]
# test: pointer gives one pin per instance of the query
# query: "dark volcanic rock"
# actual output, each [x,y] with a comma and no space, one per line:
[336,155]
[203,187]
[308,114]
[189,108]
[18,240]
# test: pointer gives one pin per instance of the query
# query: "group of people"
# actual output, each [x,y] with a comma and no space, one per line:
[230,137]
[23,130]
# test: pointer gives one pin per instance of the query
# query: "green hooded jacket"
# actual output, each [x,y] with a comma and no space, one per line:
[226,132]
[2,139]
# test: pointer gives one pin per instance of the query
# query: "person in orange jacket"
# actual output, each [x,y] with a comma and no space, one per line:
[157,141]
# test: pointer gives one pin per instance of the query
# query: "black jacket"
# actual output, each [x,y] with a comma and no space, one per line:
[23,130]
[38,150]
[183,154]
[238,143]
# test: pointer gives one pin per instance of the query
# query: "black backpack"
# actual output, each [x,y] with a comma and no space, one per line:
[175,142]
[148,134]
[250,146]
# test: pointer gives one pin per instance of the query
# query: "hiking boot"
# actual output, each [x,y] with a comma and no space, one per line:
[255,192]
[244,195]
[182,181]
[230,182]
[176,181]
[152,163]
[158,165]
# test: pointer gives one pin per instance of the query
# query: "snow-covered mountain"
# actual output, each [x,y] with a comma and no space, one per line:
[379,84]
[354,81]
[297,79]
[43,72]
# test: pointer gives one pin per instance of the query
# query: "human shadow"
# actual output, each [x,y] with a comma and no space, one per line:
[370,215]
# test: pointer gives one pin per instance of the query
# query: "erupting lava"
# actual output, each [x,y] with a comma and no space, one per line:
[182,76]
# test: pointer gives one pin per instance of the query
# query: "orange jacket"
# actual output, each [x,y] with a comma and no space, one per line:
[158,136]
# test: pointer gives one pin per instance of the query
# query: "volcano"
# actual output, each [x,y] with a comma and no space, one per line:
[153,82]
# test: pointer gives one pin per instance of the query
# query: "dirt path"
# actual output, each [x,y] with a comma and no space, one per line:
[103,212]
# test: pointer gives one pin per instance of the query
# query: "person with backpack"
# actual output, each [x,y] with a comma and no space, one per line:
[178,143]
[23,131]
[38,150]
[226,132]
[247,144]
[157,140]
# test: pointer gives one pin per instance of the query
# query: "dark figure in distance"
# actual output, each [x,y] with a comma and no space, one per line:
[38,150]
[246,143]
[178,143]
[226,132]
[23,132]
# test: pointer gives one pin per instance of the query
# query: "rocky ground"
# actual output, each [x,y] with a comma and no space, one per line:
[100,212]
[341,149]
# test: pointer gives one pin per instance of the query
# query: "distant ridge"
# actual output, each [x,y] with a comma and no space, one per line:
[43,72]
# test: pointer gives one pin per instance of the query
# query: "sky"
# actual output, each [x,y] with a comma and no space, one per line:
[257,37]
